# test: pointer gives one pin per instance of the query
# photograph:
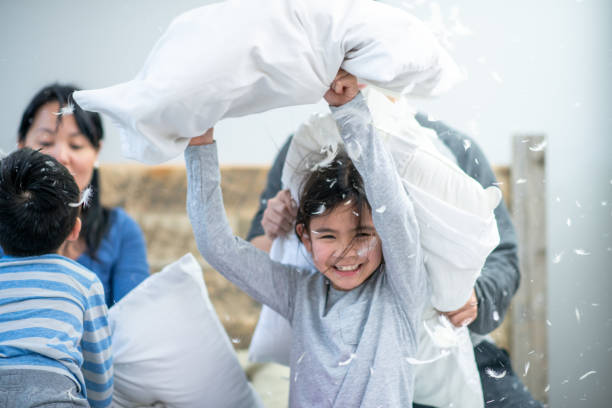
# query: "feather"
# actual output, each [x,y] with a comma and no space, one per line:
[86,196]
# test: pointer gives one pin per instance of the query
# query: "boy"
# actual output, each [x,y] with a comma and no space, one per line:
[54,333]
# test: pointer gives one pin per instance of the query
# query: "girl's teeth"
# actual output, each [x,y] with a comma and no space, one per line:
[346,268]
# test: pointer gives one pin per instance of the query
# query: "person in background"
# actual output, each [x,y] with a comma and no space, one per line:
[111,243]
[55,339]
[494,289]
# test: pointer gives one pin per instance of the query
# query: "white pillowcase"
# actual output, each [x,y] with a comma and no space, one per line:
[241,57]
[169,347]
[449,378]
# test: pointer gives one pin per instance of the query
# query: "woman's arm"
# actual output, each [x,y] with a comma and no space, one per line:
[392,210]
[251,269]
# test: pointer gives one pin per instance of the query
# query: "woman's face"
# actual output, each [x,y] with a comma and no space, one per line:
[344,246]
[64,141]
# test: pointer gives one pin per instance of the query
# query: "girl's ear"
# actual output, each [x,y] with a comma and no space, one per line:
[304,237]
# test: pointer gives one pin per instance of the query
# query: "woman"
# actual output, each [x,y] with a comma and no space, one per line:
[111,244]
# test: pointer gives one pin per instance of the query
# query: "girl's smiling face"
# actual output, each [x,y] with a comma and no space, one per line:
[344,245]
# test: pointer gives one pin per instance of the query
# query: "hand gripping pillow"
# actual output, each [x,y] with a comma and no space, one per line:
[241,57]
[169,347]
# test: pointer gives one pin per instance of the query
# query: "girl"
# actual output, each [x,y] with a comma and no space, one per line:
[355,323]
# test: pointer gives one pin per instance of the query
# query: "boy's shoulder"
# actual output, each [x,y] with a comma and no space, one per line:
[50,263]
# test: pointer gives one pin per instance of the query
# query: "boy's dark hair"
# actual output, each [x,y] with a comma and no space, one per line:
[95,217]
[35,193]
[328,187]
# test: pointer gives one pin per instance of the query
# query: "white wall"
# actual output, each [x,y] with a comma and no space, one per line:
[533,66]
[546,68]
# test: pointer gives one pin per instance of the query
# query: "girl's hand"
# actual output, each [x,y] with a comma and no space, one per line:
[206,138]
[342,90]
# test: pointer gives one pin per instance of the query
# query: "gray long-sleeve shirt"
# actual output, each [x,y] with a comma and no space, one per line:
[349,348]
[500,276]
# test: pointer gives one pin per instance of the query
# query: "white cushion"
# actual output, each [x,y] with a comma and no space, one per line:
[240,57]
[451,380]
[169,347]
[271,341]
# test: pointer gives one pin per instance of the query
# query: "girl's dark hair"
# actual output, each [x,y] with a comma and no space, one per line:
[36,193]
[328,187]
[94,218]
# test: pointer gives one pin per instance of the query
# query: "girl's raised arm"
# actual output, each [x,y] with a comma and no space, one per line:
[392,209]
[251,269]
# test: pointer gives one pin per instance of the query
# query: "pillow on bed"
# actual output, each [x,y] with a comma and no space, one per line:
[170,349]
[241,57]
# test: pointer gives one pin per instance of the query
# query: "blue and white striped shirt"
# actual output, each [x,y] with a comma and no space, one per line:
[53,317]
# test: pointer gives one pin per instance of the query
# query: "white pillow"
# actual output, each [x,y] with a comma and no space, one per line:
[170,348]
[445,373]
[240,57]
[272,339]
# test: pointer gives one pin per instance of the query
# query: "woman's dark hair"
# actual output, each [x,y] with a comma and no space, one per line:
[38,203]
[328,187]
[95,218]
